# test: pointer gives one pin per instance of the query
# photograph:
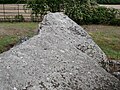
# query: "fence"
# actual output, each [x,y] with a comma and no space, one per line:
[16,12]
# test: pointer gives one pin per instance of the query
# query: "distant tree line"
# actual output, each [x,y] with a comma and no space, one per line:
[108,1]
[12,1]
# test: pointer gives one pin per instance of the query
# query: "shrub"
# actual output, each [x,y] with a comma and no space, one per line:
[115,22]
[81,11]
[92,15]
[37,6]
[19,18]
[42,6]
[102,15]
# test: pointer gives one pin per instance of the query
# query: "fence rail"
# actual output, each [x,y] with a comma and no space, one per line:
[16,12]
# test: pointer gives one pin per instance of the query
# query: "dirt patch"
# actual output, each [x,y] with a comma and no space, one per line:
[12,31]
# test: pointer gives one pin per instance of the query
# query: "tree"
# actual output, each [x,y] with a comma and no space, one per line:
[54,5]
[37,6]
[40,6]
[73,8]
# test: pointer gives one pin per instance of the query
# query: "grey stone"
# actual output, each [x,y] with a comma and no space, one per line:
[76,36]
[62,57]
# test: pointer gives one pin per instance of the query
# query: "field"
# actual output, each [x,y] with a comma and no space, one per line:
[11,33]
[107,37]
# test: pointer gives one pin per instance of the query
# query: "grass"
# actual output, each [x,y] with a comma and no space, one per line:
[107,37]
[10,33]
[7,42]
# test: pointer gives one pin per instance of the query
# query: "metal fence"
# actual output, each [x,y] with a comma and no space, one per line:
[16,12]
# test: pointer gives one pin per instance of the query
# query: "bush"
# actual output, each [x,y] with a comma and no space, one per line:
[42,6]
[19,18]
[102,15]
[92,15]
[115,22]
[81,11]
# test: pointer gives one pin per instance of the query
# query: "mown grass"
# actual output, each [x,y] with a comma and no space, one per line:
[6,42]
[107,37]
[10,33]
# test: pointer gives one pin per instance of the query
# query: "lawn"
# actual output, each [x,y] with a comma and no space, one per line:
[10,33]
[107,37]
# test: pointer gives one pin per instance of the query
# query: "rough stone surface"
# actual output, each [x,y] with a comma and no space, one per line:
[62,57]
[74,34]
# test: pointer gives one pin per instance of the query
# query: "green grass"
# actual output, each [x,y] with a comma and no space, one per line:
[10,33]
[19,25]
[107,37]
[7,42]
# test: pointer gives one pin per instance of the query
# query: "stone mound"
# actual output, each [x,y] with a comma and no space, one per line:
[62,57]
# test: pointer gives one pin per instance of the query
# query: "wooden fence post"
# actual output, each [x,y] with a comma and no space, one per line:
[18,9]
[4,12]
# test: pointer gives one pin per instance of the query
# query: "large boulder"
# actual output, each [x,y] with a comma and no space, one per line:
[74,35]
[62,57]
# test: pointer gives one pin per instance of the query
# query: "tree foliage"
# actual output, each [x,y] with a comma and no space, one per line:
[81,11]
[37,6]
[41,6]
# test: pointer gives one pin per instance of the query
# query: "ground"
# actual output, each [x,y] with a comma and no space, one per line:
[10,33]
[107,37]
